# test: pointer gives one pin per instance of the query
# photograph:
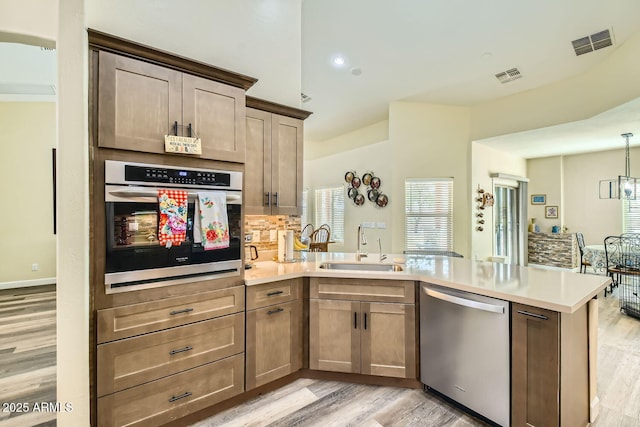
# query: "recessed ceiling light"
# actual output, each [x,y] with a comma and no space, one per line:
[338,60]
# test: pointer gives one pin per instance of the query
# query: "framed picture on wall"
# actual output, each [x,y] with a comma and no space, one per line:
[551,212]
[538,199]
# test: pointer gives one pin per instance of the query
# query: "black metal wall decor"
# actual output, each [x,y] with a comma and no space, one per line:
[372,184]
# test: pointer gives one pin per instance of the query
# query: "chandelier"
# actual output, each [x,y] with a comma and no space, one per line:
[625,186]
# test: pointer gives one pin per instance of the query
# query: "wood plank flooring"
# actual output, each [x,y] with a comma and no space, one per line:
[27,374]
[27,356]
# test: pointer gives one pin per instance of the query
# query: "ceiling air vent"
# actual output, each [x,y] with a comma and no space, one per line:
[593,42]
[305,98]
[509,75]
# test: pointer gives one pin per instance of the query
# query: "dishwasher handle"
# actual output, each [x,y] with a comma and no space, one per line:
[463,301]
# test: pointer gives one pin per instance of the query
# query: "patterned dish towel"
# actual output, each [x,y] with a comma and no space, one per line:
[172,229]
[211,225]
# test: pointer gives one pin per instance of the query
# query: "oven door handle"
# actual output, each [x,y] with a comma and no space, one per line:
[151,195]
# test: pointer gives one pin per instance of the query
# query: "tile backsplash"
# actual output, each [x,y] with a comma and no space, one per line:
[264,230]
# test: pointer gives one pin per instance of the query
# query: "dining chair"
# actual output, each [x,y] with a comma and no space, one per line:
[305,234]
[583,262]
[320,239]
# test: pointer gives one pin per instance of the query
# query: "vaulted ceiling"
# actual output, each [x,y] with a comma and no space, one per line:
[449,52]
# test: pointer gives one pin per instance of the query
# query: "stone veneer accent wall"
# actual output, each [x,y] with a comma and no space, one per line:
[553,249]
[267,226]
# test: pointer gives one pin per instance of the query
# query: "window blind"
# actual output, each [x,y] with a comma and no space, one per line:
[631,215]
[429,214]
[329,209]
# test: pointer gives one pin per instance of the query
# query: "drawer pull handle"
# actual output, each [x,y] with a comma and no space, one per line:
[355,320]
[184,310]
[274,293]
[180,396]
[277,310]
[537,316]
[180,350]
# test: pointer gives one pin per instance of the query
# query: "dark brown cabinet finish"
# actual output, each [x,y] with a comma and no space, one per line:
[550,373]
[139,103]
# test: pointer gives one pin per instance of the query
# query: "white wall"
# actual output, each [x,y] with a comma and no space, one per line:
[572,182]
[330,171]
[258,38]
[26,184]
[359,138]
[546,178]
[485,161]
[430,141]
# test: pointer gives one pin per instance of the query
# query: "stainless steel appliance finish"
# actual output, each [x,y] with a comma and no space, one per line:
[464,349]
[134,258]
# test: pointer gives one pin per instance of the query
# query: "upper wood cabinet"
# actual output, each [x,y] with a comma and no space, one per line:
[139,103]
[273,172]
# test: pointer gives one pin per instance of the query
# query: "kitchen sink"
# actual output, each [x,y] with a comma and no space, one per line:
[360,266]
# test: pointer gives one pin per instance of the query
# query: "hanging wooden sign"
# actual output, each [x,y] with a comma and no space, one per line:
[182,145]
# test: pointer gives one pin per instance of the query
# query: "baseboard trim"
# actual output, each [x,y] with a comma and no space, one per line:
[28,283]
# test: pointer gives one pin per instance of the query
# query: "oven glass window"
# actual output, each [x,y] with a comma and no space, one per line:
[132,239]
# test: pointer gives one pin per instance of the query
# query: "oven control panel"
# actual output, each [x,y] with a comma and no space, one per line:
[164,175]
[154,175]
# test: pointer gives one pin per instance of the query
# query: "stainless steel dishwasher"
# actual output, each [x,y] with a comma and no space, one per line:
[464,349]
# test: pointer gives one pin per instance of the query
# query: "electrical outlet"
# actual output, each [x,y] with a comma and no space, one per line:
[34,267]
[256,236]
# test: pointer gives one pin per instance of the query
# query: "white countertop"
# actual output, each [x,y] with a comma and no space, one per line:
[550,289]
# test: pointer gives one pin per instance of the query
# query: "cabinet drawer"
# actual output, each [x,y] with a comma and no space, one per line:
[161,401]
[273,293]
[132,361]
[378,290]
[136,319]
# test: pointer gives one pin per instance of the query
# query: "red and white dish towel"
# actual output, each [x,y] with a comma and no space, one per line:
[173,205]
[211,223]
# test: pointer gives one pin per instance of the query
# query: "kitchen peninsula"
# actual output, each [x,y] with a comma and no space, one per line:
[553,362]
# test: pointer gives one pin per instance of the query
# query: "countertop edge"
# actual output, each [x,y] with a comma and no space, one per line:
[568,308]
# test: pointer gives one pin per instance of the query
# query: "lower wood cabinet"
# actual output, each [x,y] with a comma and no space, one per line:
[132,361]
[347,333]
[161,360]
[274,331]
[164,400]
[550,367]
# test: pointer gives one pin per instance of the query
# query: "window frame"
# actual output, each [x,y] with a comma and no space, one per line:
[436,213]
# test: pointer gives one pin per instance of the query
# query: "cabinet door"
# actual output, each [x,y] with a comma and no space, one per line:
[286,183]
[535,375]
[274,342]
[334,335]
[257,176]
[217,114]
[388,340]
[138,103]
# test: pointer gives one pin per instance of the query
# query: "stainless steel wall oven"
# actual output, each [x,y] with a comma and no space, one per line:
[135,257]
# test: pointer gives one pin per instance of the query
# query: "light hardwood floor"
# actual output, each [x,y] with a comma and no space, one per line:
[27,356]
[27,374]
